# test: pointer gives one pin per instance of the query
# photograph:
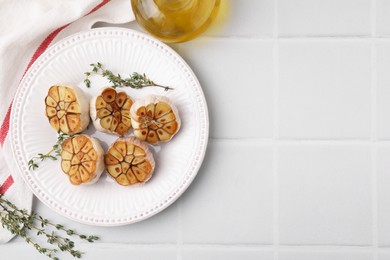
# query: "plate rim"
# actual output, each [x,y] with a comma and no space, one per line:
[203,139]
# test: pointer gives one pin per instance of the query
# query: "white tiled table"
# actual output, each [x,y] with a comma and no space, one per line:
[298,164]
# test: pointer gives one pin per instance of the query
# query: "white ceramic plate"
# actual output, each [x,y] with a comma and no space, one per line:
[123,51]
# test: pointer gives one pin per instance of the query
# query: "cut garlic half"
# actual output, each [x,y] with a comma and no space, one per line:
[110,111]
[155,119]
[82,159]
[129,161]
[67,109]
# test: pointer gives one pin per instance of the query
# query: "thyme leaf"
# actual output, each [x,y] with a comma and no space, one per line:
[135,80]
[20,222]
[56,149]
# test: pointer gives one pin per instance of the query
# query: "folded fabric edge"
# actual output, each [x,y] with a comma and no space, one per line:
[14,187]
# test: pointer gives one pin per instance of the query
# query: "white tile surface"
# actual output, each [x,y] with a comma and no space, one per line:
[237,78]
[384,255]
[20,250]
[324,89]
[114,252]
[383,182]
[319,198]
[325,255]
[226,254]
[382,17]
[237,207]
[249,18]
[383,89]
[325,195]
[322,18]
[17,251]
[161,228]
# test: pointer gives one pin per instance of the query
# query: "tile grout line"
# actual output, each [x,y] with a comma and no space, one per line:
[275,201]
[373,19]
[374,200]
[276,135]
[179,242]
[374,190]
[271,141]
[332,38]
[303,247]
[286,247]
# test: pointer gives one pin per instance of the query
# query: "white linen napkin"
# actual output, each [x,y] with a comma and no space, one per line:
[27,29]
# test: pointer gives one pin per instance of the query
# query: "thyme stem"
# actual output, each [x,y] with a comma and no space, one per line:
[17,221]
[33,164]
[135,80]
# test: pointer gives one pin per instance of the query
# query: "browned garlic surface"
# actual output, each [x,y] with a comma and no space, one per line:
[67,109]
[129,161]
[82,159]
[110,111]
[155,119]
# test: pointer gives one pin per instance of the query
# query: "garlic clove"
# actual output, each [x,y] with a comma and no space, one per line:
[82,159]
[129,161]
[67,109]
[110,111]
[155,119]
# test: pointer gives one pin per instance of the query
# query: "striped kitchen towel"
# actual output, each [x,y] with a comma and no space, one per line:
[27,29]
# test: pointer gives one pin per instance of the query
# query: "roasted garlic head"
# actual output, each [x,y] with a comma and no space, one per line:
[67,109]
[155,119]
[82,158]
[110,111]
[129,161]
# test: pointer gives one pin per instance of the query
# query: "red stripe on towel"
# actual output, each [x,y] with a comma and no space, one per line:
[41,48]
[5,186]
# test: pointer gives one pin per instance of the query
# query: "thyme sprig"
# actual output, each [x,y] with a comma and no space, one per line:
[135,80]
[19,221]
[56,149]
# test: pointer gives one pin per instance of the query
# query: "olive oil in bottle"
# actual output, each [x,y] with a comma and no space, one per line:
[175,20]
